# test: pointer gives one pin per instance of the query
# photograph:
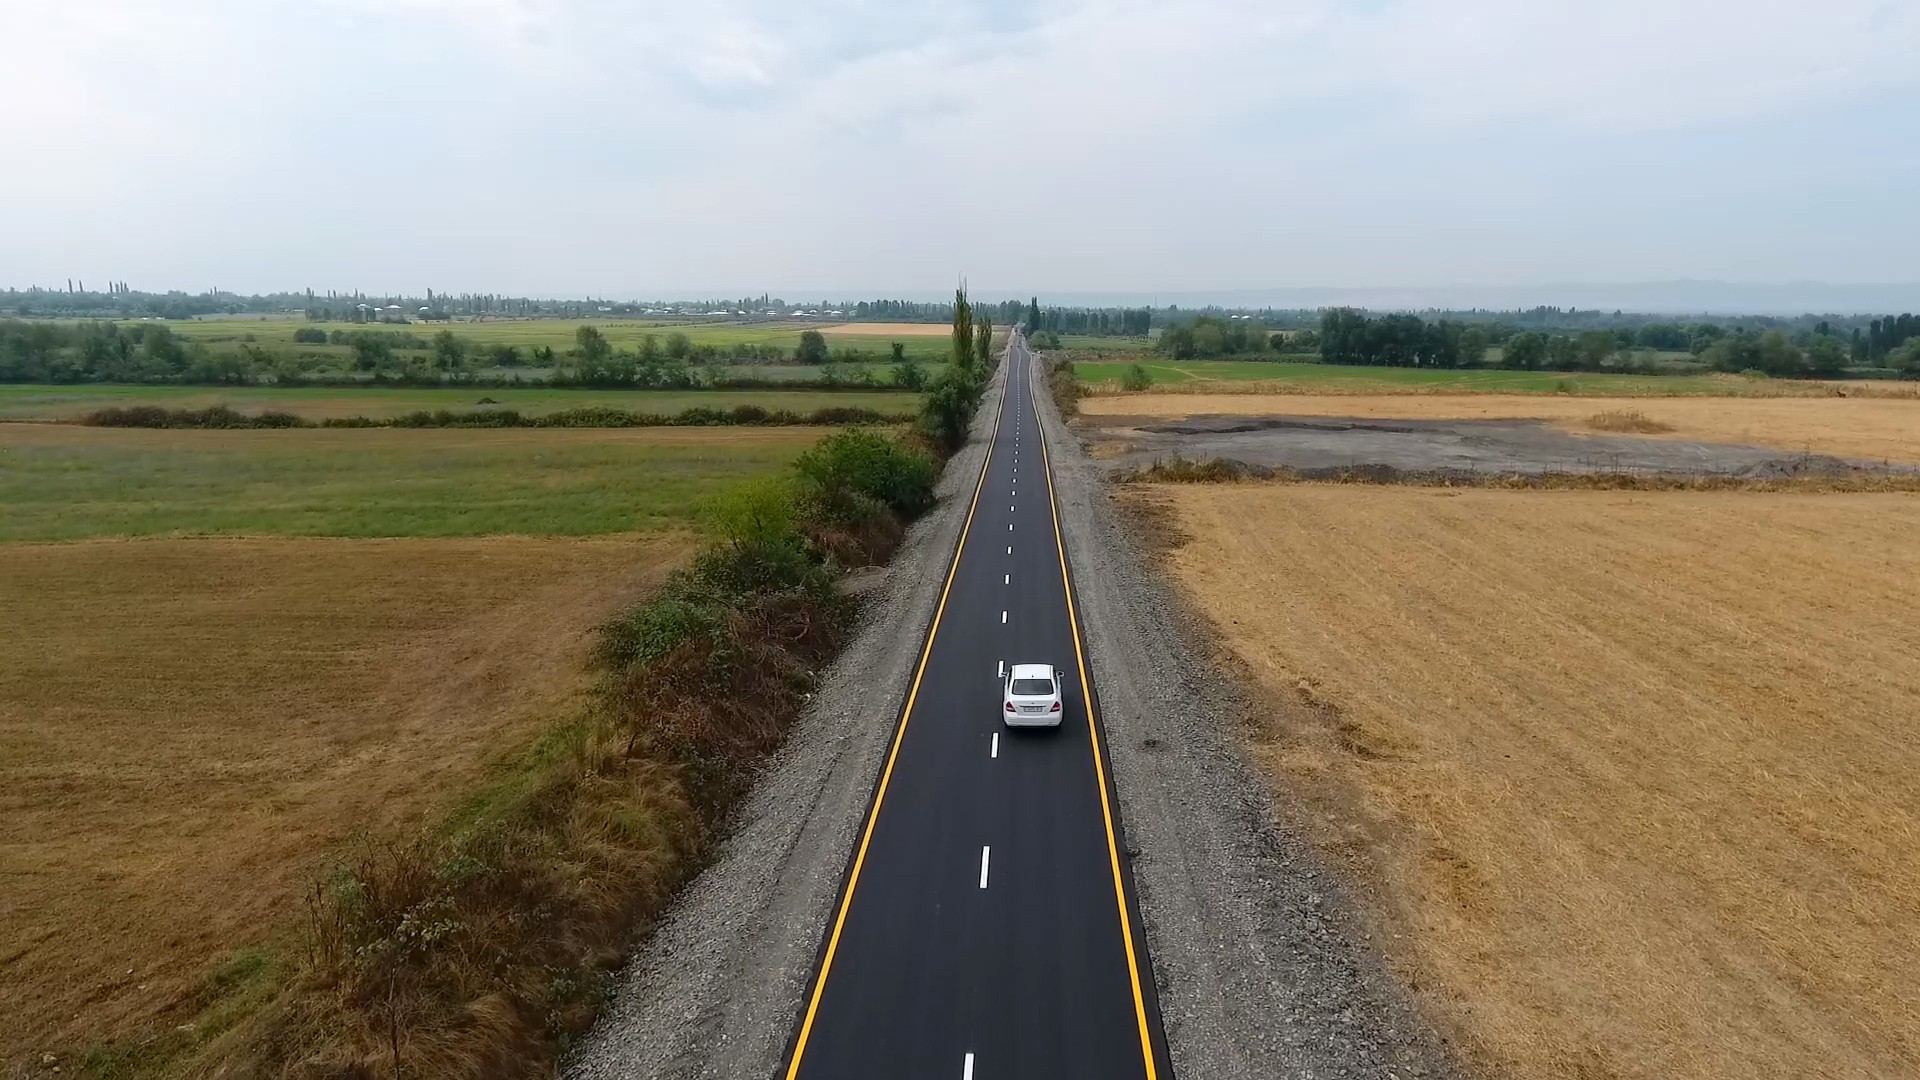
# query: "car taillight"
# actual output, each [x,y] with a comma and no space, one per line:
[1009,706]
[1056,707]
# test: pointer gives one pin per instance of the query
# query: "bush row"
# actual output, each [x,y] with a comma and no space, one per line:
[520,917]
[223,417]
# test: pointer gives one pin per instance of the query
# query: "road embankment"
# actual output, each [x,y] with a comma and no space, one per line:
[713,991]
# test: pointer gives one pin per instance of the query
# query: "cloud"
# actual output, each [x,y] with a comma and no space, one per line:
[553,145]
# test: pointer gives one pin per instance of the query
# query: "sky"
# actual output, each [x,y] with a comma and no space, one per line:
[579,147]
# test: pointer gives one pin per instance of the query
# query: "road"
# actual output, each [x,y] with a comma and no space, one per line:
[986,928]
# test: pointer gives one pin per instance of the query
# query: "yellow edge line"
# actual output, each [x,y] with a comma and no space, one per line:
[886,774]
[1099,768]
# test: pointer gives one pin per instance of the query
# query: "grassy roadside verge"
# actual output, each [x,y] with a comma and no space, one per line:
[481,946]
[1063,381]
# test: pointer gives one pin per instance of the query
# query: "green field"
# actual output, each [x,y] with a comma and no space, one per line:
[1340,377]
[60,482]
[559,334]
[37,402]
[1103,343]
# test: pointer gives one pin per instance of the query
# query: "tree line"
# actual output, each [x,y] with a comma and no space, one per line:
[1349,336]
[1102,322]
[36,351]
[1208,336]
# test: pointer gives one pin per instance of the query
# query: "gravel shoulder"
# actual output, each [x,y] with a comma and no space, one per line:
[714,990]
[1262,960]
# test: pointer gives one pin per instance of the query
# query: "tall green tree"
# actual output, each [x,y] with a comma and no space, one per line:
[962,330]
[1033,314]
[983,343]
[1525,350]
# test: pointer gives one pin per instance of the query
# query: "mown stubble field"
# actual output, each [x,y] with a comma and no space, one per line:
[1633,778]
[187,727]
[229,653]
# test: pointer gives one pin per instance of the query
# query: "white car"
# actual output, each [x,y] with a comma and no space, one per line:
[1032,697]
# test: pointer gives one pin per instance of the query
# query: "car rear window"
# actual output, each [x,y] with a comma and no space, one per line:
[1032,687]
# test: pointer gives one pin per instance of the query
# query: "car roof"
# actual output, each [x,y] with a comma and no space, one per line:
[1031,671]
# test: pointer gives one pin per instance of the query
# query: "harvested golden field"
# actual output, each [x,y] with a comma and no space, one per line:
[1634,779]
[887,329]
[188,726]
[1873,429]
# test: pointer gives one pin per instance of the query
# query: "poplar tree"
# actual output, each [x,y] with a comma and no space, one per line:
[962,330]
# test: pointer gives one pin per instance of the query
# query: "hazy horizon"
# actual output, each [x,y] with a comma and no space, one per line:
[575,147]
[1649,297]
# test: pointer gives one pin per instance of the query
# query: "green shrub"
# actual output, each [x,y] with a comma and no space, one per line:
[214,416]
[1065,384]
[948,411]
[646,632]
[812,348]
[593,416]
[849,414]
[862,462]
[1136,378]
[442,418]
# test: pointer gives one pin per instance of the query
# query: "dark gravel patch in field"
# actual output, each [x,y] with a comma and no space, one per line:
[1467,446]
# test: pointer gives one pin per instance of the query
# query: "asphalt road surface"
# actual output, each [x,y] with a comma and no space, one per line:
[987,929]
